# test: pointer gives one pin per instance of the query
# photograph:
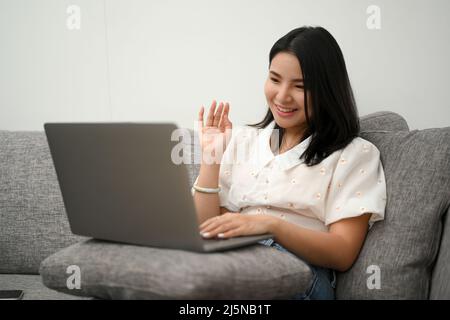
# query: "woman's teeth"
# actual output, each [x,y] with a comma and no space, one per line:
[285,110]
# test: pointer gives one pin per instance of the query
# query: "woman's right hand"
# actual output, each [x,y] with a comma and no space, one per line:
[215,135]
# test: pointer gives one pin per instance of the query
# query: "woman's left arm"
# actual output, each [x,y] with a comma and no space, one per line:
[337,249]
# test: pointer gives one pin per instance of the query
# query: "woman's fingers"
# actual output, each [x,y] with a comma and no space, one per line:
[216,118]
[217,115]
[232,233]
[221,229]
[210,119]
[200,118]
[217,220]
[208,222]
[200,114]
[216,228]
[223,124]
[227,122]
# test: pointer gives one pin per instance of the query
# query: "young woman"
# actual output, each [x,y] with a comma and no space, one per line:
[317,187]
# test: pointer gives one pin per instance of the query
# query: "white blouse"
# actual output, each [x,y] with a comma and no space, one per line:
[348,183]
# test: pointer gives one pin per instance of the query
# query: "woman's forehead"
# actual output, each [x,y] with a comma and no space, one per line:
[286,65]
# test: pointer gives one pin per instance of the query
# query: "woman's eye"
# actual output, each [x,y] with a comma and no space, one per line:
[276,81]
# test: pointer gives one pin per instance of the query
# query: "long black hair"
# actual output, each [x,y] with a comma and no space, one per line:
[334,122]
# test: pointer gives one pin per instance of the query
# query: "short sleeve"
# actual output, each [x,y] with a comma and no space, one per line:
[358,184]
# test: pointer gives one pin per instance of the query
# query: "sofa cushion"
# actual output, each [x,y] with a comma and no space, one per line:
[440,283]
[32,216]
[120,271]
[401,249]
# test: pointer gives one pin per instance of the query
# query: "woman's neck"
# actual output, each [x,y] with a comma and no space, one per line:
[291,137]
[294,135]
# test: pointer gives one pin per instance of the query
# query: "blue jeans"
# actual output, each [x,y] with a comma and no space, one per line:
[324,280]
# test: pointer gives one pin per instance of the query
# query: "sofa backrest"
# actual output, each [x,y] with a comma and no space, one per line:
[440,281]
[33,222]
[399,252]
[383,121]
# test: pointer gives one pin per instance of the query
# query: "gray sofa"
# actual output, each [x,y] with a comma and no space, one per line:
[406,256]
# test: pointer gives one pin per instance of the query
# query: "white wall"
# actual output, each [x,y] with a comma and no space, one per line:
[160,60]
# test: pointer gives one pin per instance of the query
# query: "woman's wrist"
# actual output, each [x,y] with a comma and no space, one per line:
[210,167]
[210,170]
[209,176]
[273,225]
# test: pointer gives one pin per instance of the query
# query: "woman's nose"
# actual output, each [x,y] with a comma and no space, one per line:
[283,95]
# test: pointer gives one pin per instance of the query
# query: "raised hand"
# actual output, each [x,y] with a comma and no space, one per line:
[216,133]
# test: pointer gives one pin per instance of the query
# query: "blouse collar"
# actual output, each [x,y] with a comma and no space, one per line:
[286,160]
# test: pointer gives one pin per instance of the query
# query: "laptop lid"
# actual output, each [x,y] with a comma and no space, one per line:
[119,183]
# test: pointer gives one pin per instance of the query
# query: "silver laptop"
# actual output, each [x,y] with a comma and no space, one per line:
[119,183]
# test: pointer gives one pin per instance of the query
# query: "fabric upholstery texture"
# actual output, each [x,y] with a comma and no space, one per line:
[404,245]
[383,121]
[119,271]
[32,215]
[440,282]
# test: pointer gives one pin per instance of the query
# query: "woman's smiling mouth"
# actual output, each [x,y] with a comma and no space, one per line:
[284,112]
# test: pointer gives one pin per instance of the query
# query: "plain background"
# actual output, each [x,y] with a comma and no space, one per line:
[160,60]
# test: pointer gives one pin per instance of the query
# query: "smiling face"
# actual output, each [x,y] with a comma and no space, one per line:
[284,90]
